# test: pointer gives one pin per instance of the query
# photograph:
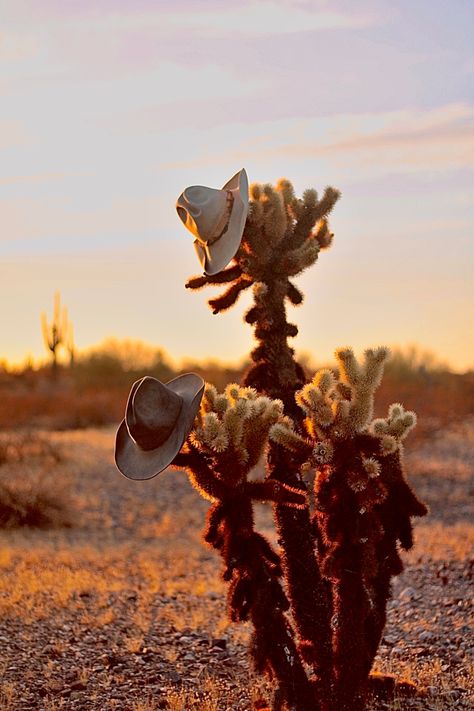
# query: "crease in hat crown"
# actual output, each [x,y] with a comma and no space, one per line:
[211,207]
[217,219]
[153,414]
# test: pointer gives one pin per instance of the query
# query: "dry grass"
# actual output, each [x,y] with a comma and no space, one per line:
[439,542]
[36,583]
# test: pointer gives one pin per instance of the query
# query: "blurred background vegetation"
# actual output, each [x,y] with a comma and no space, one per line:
[91,390]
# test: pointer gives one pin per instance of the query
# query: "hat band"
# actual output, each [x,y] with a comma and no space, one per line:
[221,227]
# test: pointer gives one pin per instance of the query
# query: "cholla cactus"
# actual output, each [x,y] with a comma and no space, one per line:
[231,433]
[337,558]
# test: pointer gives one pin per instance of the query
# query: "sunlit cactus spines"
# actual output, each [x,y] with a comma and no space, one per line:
[235,424]
[316,600]
[397,425]
[342,407]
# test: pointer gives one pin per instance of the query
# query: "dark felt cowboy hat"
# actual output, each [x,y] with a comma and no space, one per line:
[217,219]
[158,418]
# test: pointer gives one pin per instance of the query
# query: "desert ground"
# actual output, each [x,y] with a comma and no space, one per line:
[118,605]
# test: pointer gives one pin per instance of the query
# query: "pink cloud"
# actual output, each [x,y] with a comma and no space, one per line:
[417,139]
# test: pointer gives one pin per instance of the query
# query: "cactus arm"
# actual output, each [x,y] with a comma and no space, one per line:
[227,275]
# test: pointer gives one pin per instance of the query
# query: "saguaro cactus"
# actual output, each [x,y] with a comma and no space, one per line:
[56,332]
[317,634]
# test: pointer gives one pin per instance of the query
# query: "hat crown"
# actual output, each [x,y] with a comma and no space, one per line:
[216,219]
[154,412]
[203,210]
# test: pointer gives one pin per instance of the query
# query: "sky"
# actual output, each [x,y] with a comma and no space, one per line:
[110,108]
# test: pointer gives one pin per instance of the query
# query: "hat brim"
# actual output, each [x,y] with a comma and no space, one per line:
[136,463]
[215,257]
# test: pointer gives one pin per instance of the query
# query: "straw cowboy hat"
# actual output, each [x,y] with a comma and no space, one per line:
[158,418]
[217,219]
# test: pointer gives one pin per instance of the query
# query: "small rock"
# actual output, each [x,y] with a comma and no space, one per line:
[78,686]
[397,650]
[51,650]
[109,659]
[220,642]
[426,636]
[408,594]
[55,686]
[420,651]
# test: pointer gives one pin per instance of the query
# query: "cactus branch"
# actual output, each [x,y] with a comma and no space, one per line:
[229,274]
[230,296]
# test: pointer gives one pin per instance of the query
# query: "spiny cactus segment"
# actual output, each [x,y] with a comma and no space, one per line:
[394,428]
[239,420]
[232,432]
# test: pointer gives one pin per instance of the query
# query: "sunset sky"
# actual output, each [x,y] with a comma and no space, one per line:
[109,108]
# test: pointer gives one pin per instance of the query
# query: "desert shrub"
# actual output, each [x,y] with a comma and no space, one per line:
[27,446]
[33,505]
[214,372]
[30,492]
[115,363]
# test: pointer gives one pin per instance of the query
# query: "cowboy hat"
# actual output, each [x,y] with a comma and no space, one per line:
[158,418]
[217,219]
